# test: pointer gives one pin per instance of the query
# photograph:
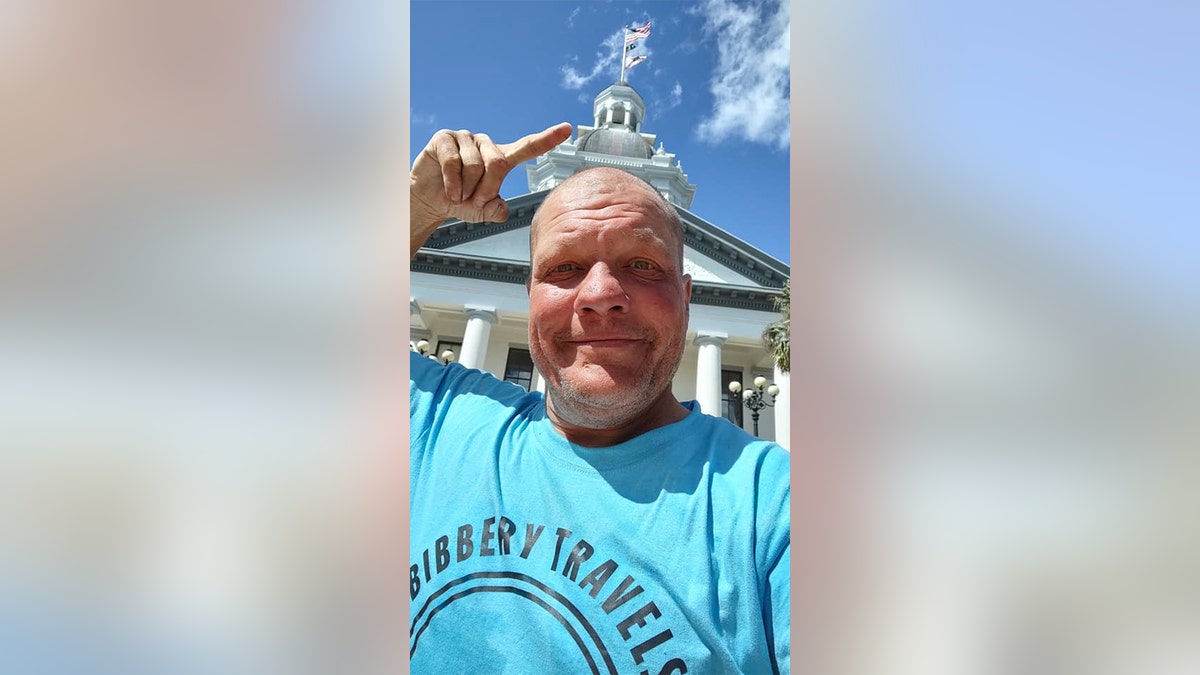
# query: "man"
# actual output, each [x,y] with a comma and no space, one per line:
[605,527]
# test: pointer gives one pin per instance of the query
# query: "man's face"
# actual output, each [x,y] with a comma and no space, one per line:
[608,302]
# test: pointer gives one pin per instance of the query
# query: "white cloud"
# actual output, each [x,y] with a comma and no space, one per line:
[571,19]
[660,102]
[415,118]
[750,83]
[607,65]
[686,46]
[607,61]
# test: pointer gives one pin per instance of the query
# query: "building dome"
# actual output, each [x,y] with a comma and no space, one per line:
[615,140]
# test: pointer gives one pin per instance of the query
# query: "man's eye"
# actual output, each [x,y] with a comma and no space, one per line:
[564,267]
[641,265]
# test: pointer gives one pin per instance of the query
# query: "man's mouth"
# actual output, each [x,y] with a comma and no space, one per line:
[604,341]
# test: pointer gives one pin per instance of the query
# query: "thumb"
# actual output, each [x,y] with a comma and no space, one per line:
[495,211]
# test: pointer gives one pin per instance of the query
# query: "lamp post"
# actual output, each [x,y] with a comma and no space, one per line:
[756,399]
[422,348]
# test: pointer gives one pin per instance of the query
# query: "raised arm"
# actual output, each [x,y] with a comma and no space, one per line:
[458,175]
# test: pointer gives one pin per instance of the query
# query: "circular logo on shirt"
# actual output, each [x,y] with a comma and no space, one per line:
[535,594]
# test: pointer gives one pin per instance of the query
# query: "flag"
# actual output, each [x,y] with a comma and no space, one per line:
[635,34]
[633,61]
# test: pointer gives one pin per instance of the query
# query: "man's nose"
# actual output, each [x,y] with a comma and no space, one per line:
[601,292]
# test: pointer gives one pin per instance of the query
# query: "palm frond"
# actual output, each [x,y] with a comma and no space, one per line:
[778,334]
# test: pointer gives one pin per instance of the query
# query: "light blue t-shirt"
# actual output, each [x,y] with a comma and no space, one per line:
[665,554]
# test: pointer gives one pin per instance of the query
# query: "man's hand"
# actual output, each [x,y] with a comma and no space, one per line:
[458,175]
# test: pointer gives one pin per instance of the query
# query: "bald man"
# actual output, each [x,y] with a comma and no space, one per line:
[605,527]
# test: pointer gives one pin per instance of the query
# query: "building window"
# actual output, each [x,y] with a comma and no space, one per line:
[519,368]
[618,115]
[453,345]
[731,403]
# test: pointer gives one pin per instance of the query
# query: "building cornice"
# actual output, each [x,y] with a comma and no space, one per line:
[698,234]
[454,231]
[462,265]
[433,261]
[739,256]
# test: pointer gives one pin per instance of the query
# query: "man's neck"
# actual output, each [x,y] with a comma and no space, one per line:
[665,410]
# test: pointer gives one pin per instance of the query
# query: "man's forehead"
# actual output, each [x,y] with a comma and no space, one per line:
[600,208]
[579,209]
[597,194]
[577,226]
[583,222]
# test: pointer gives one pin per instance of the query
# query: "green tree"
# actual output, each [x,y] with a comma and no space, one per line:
[778,334]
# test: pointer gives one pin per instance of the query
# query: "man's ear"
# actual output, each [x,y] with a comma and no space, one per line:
[687,296]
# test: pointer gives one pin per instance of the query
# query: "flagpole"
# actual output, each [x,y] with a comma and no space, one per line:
[624,50]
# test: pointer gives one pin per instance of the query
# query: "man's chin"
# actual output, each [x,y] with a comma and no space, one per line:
[602,404]
[605,397]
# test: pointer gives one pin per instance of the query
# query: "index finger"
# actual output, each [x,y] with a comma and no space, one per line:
[533,145]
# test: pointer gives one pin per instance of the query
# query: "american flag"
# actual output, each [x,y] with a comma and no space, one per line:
[633,61]
[635,34]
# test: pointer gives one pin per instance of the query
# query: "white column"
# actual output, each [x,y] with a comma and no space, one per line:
[539,382]
[475,337]
[708,371]
[783,409]
[416,318]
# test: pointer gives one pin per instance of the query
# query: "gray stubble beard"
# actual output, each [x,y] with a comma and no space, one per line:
[575,408]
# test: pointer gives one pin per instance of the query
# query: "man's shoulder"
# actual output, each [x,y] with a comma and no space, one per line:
[726,436]
[426,374]
[453,382]
[740,464]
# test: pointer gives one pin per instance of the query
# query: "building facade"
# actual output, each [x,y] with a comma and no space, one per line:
[468,281]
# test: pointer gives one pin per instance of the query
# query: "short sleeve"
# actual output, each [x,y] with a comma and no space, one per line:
[775,547]
[777,610]
[426,378]
[455,395]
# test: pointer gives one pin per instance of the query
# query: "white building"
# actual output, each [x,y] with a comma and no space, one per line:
[468,292]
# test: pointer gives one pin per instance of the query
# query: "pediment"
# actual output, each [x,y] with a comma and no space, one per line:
[711,255]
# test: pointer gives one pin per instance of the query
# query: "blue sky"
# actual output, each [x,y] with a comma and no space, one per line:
[512,68]
[1080,117]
